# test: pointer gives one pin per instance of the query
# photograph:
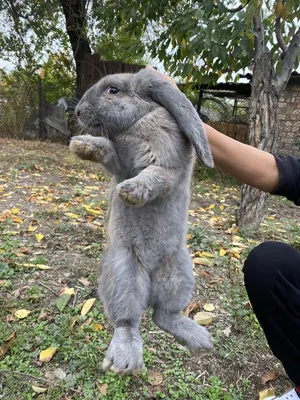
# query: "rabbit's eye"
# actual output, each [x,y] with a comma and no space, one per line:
[112,90]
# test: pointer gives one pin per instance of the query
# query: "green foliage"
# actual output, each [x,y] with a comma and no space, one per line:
[201,39]
[121,46]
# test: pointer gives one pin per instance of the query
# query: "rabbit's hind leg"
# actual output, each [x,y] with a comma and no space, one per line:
[171,288]
[124,289]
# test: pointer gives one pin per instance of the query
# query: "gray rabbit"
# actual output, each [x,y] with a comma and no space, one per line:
[144,134]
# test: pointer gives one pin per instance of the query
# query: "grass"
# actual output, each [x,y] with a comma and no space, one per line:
[66,201]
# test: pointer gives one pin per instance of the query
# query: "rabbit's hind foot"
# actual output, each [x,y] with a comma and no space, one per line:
[125,353]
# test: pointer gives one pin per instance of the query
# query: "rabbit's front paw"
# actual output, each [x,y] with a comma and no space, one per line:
[133,192]
[87,148]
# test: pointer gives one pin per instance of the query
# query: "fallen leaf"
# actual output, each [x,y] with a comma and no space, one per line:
[32,228]
[38,389]
[193,306]
[62,301]
[39,237]
[67,290]
[266,393]
[269,376]
[227,331]
[46,355]
[208,307]
[207,254]
[4,348]
[204,318]
[87,306]
[21,314]
[14,211]
[156,378]
[84,281]
[97,327]
[102,388]
[201,261]
[2,282]
[28,265]
[222,252]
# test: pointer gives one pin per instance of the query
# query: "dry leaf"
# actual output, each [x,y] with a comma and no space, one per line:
[222,252]
[193,306]
[4,348]
[32,228]
[102,388]
[209,307]
[265,394]
[21,314]
[97,327]
[39,237]
[14,211]
[67,290]
[87,306]
[84,281]
[204,318]
[3,282]
[46,355]
[38,389]
[156,378]
[227,331]
[269,376]
[201,261]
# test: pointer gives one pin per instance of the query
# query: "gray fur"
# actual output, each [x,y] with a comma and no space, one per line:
[146,262]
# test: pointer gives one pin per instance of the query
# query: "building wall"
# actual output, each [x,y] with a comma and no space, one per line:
[289,120]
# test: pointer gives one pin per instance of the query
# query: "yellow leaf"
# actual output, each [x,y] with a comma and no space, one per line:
[201,261]
[207,254]
[211,206]
[204,318]
[208,307]
[222,207]
[46,355]
[14,211]
[189,236]
[32,228]
[42,266]
[222,252]
[265,394]
[39,237]
[97,327]
[38,389]
[71,215]
[67,290]
[22,313]
[87,306]
[271,217]
[17,219]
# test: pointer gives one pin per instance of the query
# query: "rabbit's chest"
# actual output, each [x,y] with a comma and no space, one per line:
[135,155]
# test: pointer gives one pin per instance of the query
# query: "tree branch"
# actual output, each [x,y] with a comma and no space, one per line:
[288,63]
[259,39]
[279,37]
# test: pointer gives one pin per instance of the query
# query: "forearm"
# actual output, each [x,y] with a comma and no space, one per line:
[247,164]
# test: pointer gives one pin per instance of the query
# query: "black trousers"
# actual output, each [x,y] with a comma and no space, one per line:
[272,279]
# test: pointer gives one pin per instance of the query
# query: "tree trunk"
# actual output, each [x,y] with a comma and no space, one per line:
[262,134]
[75,15]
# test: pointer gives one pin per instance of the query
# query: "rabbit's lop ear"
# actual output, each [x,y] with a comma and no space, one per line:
[149,84]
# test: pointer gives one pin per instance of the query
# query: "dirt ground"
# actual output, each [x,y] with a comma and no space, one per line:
[52,232]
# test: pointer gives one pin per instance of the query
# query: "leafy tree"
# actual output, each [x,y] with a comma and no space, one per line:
[32,30]
[120,45]
[205,39]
